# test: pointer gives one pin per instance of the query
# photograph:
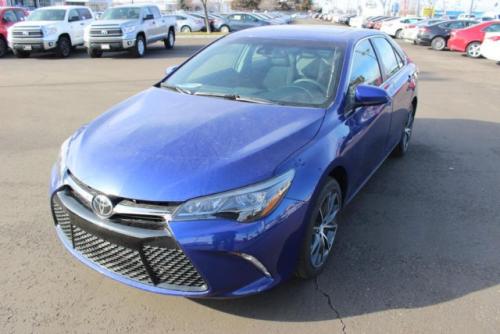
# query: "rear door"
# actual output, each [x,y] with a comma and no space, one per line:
[398,83]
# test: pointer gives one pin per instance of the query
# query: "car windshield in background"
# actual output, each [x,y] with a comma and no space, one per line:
[47,15]
[259,70]
[122,13]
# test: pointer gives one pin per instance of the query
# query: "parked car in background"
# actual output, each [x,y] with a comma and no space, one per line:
[129,27]
[395,27]
[410,32]
[228,177]
[57,28]
[469,39]
[490,49]
[187,23]
[240,21]
[370,22]
[356,21]
[8,17]
[437,35]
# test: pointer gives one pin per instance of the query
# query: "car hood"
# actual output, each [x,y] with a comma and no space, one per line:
[165,146]
[36,23]
[115,22]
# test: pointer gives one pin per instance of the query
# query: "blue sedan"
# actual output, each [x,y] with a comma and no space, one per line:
[227,177]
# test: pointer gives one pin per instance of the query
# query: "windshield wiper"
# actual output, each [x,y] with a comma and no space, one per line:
[176,88]
[235,97]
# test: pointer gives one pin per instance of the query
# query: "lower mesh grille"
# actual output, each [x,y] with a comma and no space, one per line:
[167,266]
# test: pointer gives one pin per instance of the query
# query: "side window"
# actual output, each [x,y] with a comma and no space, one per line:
[10,17]
[20,15]
[178,17]
[146,12]
[237,17]
[155,11]
[84,14]
[456,25]
[365,69]
[388,60]
[73,15]
[250,18]
[493,28]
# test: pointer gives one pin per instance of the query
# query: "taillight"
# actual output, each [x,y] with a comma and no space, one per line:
[411,26]
[494,38]
[423,30]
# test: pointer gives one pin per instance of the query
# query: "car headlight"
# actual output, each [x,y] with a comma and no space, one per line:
[61,159]
[128,30]
[51,30]
[244,204]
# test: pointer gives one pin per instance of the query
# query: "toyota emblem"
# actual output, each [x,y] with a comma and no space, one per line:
[102,206]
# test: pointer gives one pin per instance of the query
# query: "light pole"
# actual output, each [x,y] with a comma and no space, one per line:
[471,7]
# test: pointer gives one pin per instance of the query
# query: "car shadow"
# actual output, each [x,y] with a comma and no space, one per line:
[423,231]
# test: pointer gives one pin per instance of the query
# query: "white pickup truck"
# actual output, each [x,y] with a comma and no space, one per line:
[129,27]
[57,28]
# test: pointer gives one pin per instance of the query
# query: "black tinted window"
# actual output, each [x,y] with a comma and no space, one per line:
[10,17]
[84,14]
[73,15]
[365,69]
[388,60]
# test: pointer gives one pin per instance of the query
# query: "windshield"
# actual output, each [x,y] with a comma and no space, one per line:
[299,72]
[122,13]
[47,15]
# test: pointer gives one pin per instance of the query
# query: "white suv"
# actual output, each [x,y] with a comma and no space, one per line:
[57,28]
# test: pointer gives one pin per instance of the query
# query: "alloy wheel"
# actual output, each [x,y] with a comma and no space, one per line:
[324,229]
[474,50]
[140,46]
[408,131]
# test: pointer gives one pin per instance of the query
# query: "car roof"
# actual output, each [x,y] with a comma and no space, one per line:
[63,7]
[325,33]
[139,5]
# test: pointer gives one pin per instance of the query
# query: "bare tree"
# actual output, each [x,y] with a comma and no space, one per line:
[207,24]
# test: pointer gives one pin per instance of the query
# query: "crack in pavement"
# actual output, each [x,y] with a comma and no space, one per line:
[330,304]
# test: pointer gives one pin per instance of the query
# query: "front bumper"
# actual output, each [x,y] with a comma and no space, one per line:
[195,258]
[110,44]
[33,44]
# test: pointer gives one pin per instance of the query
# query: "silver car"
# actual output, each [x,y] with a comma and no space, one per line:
[188,23]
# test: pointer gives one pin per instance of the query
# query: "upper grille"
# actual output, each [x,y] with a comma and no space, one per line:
[27,33]
[154,265]
[105,32]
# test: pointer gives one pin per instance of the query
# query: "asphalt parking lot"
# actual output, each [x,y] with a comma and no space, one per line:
[418,250]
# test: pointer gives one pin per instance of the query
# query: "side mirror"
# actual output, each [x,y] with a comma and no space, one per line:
[148,17]
[74,18]
[366,95]
[169,70]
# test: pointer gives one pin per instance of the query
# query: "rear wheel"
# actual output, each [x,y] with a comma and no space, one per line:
[224,29]
[94,53]
[473,50]
[320,231]
[3,47]
[438,43]
[63,47]
[170,41]
[186,29]
[139,48]
[21,53]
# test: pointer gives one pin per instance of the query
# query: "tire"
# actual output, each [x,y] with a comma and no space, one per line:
[225,29]
[398,34]
[402,147]
[94,53]
[3,47]
[473,50]
[139,49]
[186,29]
[170,41]
[63,47]
[21,53]
[319,238]
[438,43]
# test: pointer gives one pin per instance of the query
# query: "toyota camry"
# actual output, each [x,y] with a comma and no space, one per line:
[227,176]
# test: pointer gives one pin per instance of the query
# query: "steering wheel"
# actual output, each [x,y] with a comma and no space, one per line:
[303,90]
[310,81]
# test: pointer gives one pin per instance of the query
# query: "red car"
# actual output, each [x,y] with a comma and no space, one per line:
[9,16]
[469,39]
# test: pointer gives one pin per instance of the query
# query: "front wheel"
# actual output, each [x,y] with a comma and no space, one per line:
[224,29]
[94,53]
[438,43]
[474,50]
[320,231]
[170,41]
[139,48]
[3,47]
[402,147]
[63,47]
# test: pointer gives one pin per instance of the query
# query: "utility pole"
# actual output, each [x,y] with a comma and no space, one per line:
[471,7]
